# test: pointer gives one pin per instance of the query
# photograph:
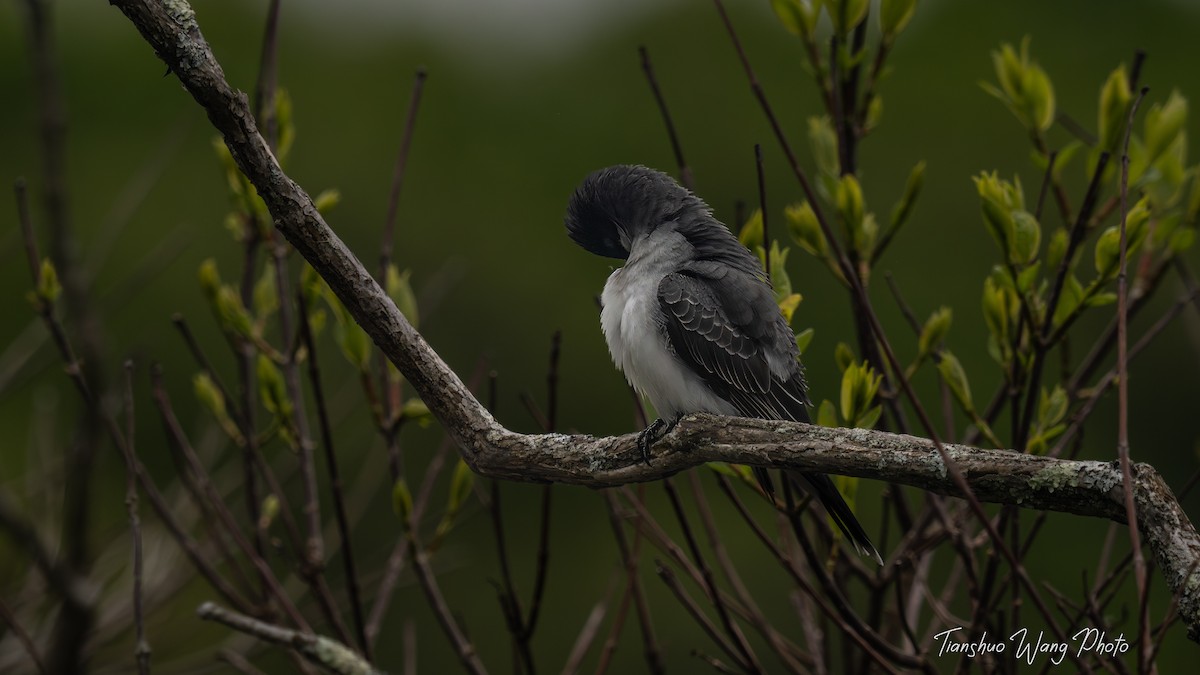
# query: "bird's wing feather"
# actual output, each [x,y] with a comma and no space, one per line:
[727,353]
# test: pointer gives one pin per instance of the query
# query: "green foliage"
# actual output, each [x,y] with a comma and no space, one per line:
[934,331]
[798,16]
[894,16]
[48,287]
[399,289]
[1114,102]
[350,337]
[461,485]
[751,234]
[805,230]
[402,503]
[860,386]
[1023,87]
[846,14]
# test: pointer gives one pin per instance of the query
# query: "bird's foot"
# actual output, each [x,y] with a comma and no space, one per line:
[652,434]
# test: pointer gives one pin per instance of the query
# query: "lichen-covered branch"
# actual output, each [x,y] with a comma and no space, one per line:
[1082,488]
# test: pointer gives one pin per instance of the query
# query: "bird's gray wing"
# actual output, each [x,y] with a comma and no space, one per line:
[720,334]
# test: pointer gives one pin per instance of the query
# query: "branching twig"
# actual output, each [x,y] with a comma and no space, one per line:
[1139,561]
[335,479]
[331,655]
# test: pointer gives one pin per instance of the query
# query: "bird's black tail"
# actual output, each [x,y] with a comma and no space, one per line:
[823,489]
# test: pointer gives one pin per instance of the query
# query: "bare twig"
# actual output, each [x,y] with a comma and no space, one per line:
[650,648]
[1139,561]
[742,654]
[389,221]
[437,602]
[142,647]
[762,206]
[335,479]
[31,650]
[318,650]
[685,172]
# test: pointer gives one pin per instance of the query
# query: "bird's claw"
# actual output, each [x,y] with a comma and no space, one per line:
[652,434]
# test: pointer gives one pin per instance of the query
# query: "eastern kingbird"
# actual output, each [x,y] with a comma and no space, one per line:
[691,318]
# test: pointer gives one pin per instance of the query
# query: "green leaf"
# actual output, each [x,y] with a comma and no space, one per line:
[934,330]
[460,486]
[234,317]
[780,281]
[860,384]
[1182,240]
[415,410]
[843,355]
[266,296]
[49,287]
[1024,87]
[850,207]
[1056,249]
[874,113]
[868,419]
[1164,122]
[788,305]
[400,291]
[285,123]
[402,502]
[824,145]
[1052,408]
[1114,102]
[350,337]
[209,395]
[1101,299]
[272,389]
[1072,295]
[210,280]
[268,511]
[894,15]
[1028,277]
[804,228]
[912,189]
[1026,238]
[751,234]
[846,14]
[956,378]
[798,16]
[327,200]
[827,414]
[803,338]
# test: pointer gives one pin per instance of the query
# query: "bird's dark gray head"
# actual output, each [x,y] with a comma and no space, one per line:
[613,206]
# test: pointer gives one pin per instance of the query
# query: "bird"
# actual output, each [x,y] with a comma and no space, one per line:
[691,319]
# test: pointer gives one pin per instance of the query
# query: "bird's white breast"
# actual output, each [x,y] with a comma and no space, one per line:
[631,320]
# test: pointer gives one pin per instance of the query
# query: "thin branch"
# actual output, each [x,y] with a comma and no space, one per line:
[437,602]
[31,650]
[329,654]
[389,221]
[762,206]
[650,648]
[1139,561]
[142,647]
[743,654]
[685,172]
[335,479]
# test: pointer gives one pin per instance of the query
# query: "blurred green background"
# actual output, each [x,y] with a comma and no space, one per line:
[523,99]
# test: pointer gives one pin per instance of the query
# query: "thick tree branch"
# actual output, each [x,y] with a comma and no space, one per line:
[1082,488]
